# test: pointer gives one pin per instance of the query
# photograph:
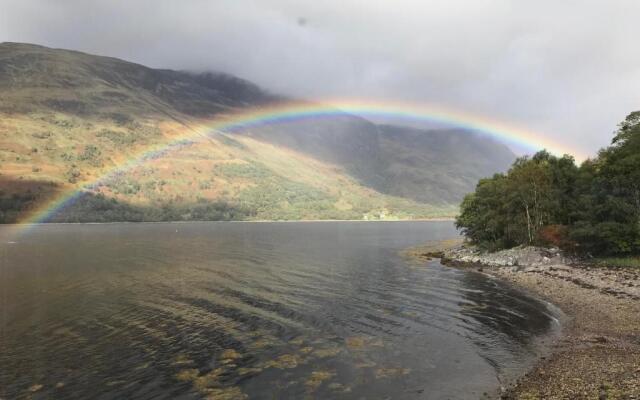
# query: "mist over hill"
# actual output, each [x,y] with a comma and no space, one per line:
[67,118]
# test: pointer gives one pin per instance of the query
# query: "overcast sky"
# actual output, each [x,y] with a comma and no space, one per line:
[568,69]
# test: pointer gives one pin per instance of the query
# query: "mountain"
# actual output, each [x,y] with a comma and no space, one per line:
[68,118]
[428,166]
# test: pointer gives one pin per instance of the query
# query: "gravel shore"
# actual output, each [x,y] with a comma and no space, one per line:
[598,353]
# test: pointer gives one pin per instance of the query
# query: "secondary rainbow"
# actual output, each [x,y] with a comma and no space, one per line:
[285,112]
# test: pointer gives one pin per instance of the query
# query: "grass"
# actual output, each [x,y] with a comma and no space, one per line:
[619,262]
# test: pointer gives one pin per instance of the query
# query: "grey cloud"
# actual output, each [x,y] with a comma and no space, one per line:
[569,69]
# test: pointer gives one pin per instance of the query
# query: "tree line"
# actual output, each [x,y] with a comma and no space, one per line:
[91,207]
[592,208]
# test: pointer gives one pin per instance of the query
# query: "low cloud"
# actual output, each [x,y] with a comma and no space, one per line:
[569,70]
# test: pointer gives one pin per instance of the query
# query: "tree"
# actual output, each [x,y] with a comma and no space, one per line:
[483,218]
[529,193]
[610,221]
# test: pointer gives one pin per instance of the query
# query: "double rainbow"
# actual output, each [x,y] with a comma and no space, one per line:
[286,112]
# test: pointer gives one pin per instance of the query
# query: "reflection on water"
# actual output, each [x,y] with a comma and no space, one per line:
[251,310]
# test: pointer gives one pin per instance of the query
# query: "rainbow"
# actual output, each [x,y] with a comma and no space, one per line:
[286,112]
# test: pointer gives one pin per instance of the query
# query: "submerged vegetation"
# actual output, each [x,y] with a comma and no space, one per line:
[592,209]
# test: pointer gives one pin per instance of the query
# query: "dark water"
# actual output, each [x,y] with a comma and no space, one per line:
[266,310]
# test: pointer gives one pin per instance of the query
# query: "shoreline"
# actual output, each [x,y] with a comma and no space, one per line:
[597,354]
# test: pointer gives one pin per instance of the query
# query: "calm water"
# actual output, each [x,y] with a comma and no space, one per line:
[266,310]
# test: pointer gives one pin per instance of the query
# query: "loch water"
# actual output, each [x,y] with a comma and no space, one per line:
[228,310]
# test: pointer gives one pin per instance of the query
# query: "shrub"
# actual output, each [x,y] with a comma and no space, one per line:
[556,235]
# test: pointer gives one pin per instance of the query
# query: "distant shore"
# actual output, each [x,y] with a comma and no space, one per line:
[598,353]
[435,219]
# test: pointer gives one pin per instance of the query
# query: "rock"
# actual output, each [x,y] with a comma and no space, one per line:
[603,393]
[35,388]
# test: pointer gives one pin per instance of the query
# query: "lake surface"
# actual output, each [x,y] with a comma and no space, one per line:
[266,310]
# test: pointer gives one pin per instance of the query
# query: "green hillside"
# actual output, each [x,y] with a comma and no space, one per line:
[67,118]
